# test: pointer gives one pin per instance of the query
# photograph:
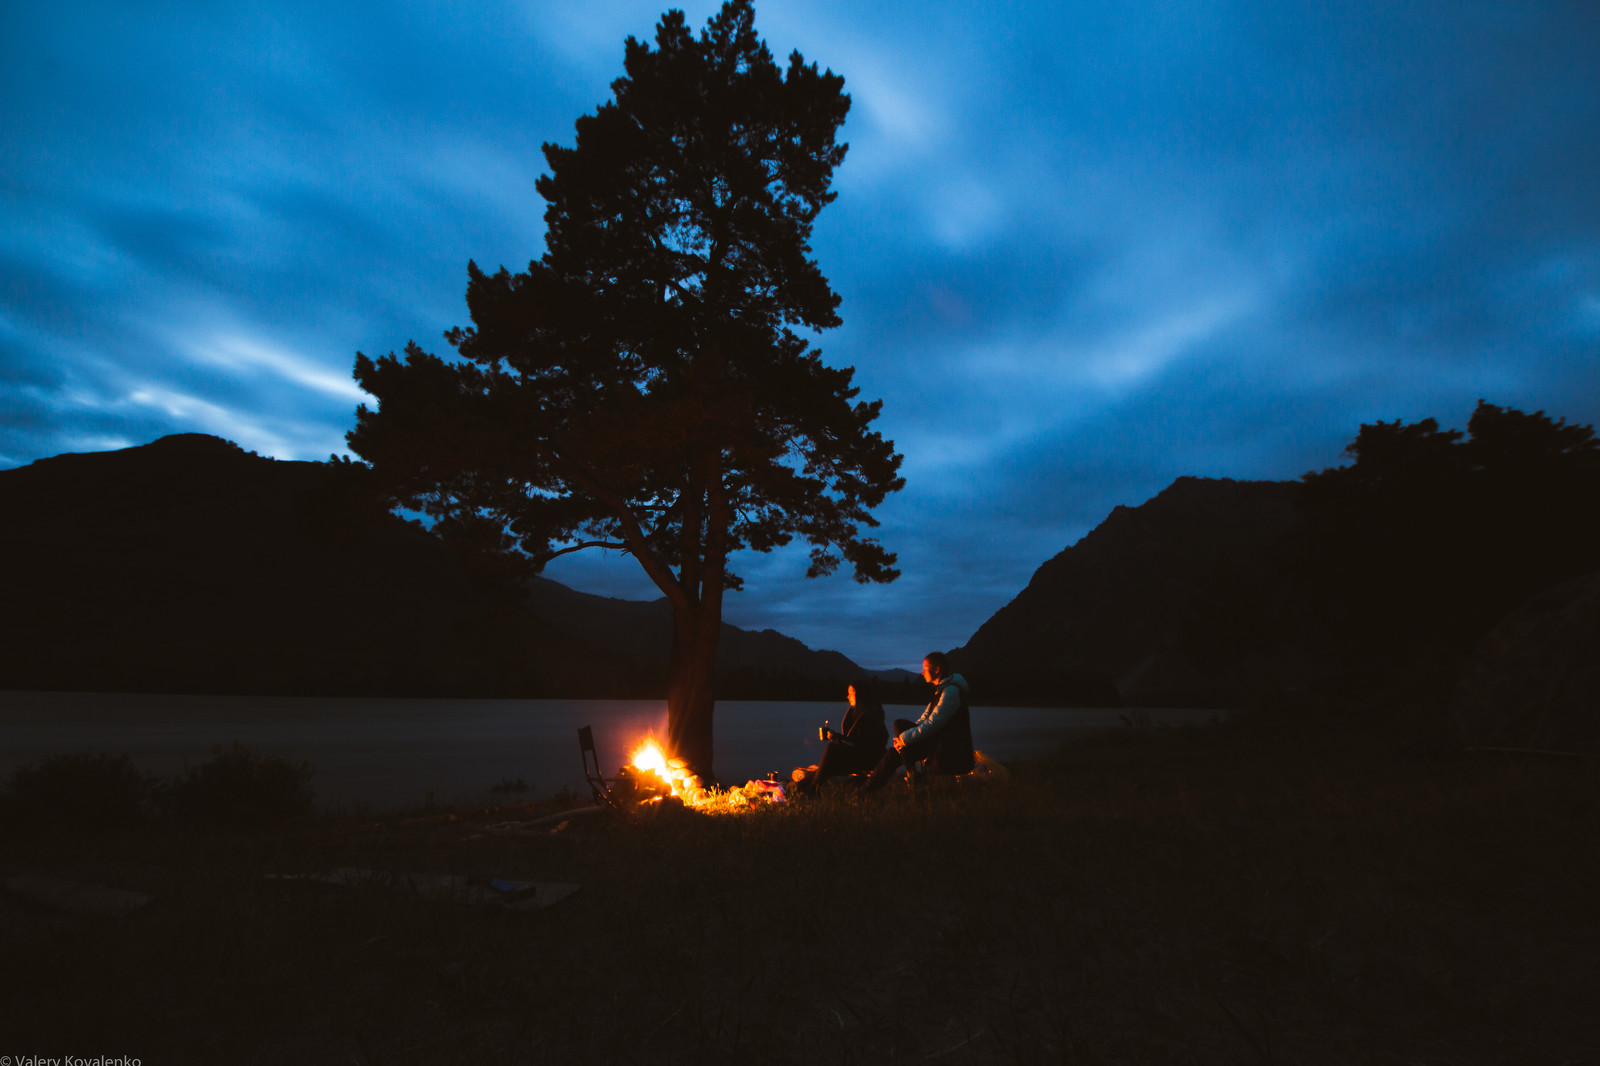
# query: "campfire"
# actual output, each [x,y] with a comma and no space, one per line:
[648,760]
[652,778]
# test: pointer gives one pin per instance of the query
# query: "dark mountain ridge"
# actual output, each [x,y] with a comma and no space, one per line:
[1099,623]
[190,565]
[1376,579]
[641,631]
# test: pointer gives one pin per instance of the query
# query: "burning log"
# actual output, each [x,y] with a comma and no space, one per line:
[634,785]
[657,776]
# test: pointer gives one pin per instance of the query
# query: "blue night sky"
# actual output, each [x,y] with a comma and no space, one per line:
[1083,248]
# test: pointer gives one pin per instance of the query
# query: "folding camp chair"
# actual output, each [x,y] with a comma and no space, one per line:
[597,783]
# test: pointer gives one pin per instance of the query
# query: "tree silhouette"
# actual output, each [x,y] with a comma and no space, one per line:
[641,387]
[1407,555]
[1428,537]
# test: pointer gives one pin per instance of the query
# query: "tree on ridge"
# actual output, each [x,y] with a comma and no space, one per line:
[641,387]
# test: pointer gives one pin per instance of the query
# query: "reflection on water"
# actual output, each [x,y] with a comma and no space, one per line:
[395,752]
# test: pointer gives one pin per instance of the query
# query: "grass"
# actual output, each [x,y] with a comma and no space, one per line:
[1265,893]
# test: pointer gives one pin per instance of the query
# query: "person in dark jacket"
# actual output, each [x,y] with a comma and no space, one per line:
[941,737]
[860,740]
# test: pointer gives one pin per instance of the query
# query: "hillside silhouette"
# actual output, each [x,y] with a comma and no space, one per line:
[1385,573]
[751,664]
[1098,624]
[190,565]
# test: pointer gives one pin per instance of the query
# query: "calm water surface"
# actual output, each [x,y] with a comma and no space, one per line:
[394,752]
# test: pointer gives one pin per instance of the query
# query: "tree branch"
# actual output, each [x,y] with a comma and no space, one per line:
[545,558]
[658,571]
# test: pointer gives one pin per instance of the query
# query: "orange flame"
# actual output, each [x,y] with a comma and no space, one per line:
[649,756]
[674,773]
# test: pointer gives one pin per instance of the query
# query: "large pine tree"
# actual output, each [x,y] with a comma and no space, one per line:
[642,387]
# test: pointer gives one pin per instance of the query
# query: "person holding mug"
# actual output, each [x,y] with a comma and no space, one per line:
[857,744]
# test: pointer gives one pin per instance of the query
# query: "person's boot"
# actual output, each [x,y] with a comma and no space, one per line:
[878,778]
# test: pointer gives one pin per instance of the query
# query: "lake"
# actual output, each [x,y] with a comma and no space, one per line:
[394,752]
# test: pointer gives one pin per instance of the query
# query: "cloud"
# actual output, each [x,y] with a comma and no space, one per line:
[249,355]
[209,417]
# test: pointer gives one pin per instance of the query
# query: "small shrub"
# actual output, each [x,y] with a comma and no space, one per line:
[79,791]
[566,797]
[516,785]
[242,789]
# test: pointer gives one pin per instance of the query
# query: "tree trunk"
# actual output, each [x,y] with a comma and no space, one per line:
[690,697]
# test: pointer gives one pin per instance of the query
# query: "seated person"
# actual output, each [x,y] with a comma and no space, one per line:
[940,738]
[855,748]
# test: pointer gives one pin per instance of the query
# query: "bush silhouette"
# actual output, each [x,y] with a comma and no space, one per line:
[78,791]
[240,788]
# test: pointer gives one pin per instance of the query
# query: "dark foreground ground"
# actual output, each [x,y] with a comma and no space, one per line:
[1261,893]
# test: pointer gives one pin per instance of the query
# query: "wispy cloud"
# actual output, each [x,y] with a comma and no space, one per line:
[200,415]
[253,356]
[1150,347]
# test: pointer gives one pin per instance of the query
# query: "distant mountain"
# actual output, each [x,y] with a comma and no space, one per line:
[750,664]
[1099,624]
[190,565]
